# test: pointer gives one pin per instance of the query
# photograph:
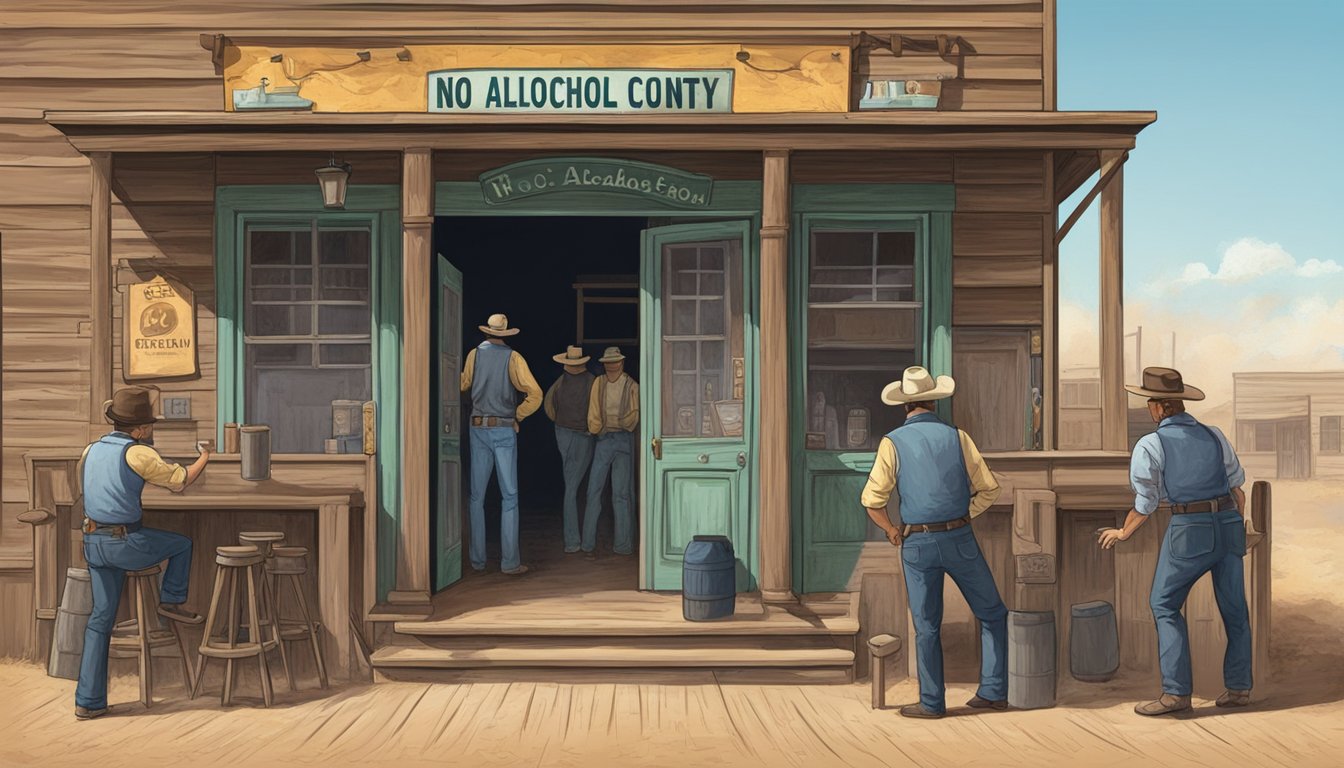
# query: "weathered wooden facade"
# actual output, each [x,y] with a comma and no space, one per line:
[122,156]
[1289,424]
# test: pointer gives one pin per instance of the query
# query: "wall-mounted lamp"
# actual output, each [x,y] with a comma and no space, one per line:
[333,178]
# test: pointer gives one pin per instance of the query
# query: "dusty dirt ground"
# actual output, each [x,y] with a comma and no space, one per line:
[697,719]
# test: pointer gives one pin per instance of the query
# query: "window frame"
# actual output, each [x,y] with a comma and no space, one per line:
[1338,447]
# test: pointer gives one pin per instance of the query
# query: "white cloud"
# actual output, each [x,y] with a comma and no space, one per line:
[1250,258]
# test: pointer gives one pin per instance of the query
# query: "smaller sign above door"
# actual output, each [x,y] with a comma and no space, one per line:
[669,186]
[581,90]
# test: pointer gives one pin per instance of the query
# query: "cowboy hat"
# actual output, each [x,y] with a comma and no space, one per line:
[611,355]
[497,325]
[916,386]
[571,356]
[131,406]
[1165,384]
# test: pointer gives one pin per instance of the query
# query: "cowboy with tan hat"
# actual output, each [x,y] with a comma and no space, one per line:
[613,415]
[112,474]
[566,403]
[1192,471]
[495,374]
[942,482]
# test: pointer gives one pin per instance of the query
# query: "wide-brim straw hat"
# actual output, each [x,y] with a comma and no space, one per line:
[497,325]
[1164,384]
[132,406]
[917,385]
[611,355]
[571,356]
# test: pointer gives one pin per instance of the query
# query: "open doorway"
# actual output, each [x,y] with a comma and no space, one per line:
[560,280]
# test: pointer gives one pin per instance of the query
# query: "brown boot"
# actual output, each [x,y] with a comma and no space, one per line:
[979,702]
[918,710]
[1167,704]
[1231,698]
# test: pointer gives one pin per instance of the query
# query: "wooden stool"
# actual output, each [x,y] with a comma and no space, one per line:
[265,542]
[881,646]
[137,637]
[292,563]
[233,564]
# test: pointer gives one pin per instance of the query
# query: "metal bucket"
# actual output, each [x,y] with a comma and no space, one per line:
[1094,643]
[1031,659]
[72,618]
[255,447]
[708,579]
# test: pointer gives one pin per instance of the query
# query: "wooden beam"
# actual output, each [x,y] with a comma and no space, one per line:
[100,285]
[775,495]
[1049,63]
[1072,169]
[1049,316]
[417,223]
[1114,411]
[1109,170]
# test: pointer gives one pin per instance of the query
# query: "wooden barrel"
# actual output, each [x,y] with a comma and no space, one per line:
[254,445]
[708,579]
[1031,659]
[72,618]
[1094,643]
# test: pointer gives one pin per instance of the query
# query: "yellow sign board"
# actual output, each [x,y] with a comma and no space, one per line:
[159,339]
[775,78]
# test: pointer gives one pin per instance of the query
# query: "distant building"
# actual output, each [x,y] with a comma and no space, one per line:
[1080,411]
[1289,424]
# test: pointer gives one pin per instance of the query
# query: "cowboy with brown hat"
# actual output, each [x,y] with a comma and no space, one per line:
[942,482]
[613,415]
[495,374]
[112,473]
[1192,471]
[566,403]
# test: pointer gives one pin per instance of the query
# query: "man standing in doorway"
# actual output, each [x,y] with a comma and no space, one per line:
[566,403]
[1190,469]
[613,415]
[494,374]
[942,483]
[112,474]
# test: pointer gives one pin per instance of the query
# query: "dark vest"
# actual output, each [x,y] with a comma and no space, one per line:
[931,471]
[571,400]
[1192,462]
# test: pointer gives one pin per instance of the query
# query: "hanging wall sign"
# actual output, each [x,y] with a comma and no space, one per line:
[669,186]
[609,91]
[159,339]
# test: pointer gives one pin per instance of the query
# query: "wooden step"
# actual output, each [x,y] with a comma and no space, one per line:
[774,625]
[576,656]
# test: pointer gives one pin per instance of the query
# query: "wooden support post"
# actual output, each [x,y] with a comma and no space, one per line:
[1050,313]
[1114,414]
[417,222]
[776,551]
[1261,578]
[100,287]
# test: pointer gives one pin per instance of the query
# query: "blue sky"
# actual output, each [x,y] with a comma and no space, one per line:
[1247,146]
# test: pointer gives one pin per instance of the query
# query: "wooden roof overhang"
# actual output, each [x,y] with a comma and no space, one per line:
[147,132]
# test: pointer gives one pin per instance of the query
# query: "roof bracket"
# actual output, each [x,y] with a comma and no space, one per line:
[215,45]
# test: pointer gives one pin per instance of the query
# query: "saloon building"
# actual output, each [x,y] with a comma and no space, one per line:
[275,214]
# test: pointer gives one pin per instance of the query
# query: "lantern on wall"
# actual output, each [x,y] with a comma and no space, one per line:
[333,178]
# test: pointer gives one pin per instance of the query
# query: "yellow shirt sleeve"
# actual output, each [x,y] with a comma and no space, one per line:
[548,402]
[983,484]
[630,420]
[521,376]
[882,478]
[468,368]
[146,462]
[595,406]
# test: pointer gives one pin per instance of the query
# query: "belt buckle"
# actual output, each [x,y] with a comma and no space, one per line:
[492,422]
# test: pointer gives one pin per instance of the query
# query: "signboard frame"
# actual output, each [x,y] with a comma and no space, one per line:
[159,339]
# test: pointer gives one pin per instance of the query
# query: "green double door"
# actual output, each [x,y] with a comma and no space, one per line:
[697,400]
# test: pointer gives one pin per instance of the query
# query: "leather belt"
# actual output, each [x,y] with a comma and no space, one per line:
[490,421]
[950,525]
[1220,504]
[106,529]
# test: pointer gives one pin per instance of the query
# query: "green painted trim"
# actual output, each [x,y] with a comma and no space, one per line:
[236,208]
[464,198]
[873,198]
[938,306]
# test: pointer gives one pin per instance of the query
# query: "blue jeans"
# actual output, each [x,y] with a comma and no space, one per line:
[926,557]
[109,559]
[1194,545]
[576,454]
[612,456]
[494,449]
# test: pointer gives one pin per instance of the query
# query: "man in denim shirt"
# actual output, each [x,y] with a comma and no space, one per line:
[1191,470]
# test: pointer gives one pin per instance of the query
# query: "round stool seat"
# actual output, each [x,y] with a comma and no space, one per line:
[288,561]
[262,540]
[152,570]
[238,557]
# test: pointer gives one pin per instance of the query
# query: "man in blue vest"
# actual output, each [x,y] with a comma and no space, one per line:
[495,374]
[942,482]
[113,473]
[1191,470]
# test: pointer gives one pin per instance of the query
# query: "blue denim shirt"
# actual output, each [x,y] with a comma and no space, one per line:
[1145,466]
